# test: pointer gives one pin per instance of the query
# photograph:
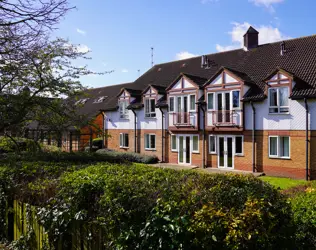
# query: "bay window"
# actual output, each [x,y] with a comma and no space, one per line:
[150,108]
[279,100]
[236,98]
[279,146]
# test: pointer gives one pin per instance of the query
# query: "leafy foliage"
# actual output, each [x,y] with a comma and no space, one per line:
[129,156]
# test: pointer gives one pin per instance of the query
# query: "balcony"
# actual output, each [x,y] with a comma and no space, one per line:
[224,118]
[184,119]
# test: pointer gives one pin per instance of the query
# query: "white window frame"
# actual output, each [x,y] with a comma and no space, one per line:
[232,100]
[190,103]
[123,106]
[278,155]
[174,149]
[278,107]
[150,114]
[174,103]
[149,141]
[211,93]
[242,145]
[198,149]
[123,145]
[209,144]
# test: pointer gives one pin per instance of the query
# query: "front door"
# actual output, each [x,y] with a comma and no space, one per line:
[225,154]
[184,156]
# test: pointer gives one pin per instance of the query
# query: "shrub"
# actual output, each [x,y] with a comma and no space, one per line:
[49,148]
[130,156]
[304,207]
[22,144]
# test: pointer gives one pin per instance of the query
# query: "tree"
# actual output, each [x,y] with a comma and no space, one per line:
[36,72]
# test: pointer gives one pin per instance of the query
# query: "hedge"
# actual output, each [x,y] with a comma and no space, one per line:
[129,156]
[142,207]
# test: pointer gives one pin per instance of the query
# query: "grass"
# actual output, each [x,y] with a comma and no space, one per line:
[283,183]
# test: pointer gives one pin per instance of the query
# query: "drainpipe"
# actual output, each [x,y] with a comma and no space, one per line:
[253,136]
[201,105]
[162,134]
[306,140]
[135,127]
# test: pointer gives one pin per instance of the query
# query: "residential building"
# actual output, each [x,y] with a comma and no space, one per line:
[247,109]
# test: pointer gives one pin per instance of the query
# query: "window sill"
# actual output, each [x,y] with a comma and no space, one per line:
[195,152]
[280,158]
[240,155]
[150,149]
[150,118]
[279,113]
[174,151]
[212,153]
[124,119]
[124,147]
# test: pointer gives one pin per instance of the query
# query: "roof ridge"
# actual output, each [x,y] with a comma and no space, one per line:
[120,84]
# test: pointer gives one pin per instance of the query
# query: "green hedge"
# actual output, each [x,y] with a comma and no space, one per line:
[142,207]
[129,156]
[22,144]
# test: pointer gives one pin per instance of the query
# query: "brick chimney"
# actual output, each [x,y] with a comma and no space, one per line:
[251,39]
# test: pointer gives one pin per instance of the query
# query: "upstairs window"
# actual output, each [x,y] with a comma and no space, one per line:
[150,141]
[171,104]
[123,140]
[150,108]
[236,99]
[279,100]
[210,101]
[192,103]
[123,109]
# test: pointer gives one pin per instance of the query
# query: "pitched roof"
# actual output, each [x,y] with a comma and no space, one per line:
[251,30]
[257,64]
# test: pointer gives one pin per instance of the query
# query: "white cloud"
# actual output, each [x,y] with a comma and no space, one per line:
[83,48]
[208,1]
[267,34]
[124,70]
[266,3]
[184,55]
[82,32]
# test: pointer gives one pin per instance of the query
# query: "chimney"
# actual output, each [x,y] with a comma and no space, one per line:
[251,39]
[283,50]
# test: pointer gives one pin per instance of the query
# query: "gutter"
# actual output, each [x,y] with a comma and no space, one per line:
[162,135]
[135,127]
[306,140]
[201,105]
[253,137]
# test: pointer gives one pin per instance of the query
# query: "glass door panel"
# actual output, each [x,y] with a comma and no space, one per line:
[227,107]
[187,150]
[181,149]
[185,109]
[219,107]
[229,152]
[221,160]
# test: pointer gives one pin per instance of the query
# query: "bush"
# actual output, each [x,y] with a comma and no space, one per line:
[22,144]
[304,209]
[130,156]
[49,148]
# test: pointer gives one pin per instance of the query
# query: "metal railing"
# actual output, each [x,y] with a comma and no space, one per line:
[182,119]
[224,118]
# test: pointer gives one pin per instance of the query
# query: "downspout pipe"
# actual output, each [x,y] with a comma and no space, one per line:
[306,139]
[162,134]
[201,105]
[135,130]
[253,136]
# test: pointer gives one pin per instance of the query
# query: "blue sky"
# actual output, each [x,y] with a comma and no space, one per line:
[120,33]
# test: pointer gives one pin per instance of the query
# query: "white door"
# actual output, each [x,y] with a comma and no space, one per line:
[225,151]
[184,155]
[223,108]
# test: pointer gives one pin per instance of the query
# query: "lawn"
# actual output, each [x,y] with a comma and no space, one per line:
[283,183]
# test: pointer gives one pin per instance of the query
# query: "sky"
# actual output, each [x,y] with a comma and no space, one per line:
[119,34]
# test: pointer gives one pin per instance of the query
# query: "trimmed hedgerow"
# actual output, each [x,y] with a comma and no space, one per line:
[142,207]
[129,156]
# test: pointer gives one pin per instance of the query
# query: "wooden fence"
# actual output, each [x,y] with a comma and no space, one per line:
[25,223]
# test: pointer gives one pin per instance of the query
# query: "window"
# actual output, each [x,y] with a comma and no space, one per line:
[171,104]
[150,141]
[239,145]
[212,144]
[279,100]
[100,99]
[210,101]
[174,146]
[123,140]
[236,99]
[195,140]
[192,102]
[123,109]
[279,146]
[150,108]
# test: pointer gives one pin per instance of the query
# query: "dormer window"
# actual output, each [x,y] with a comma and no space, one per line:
[279,100]
[150,107]
[81,101]
[100,99]
[123,109]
